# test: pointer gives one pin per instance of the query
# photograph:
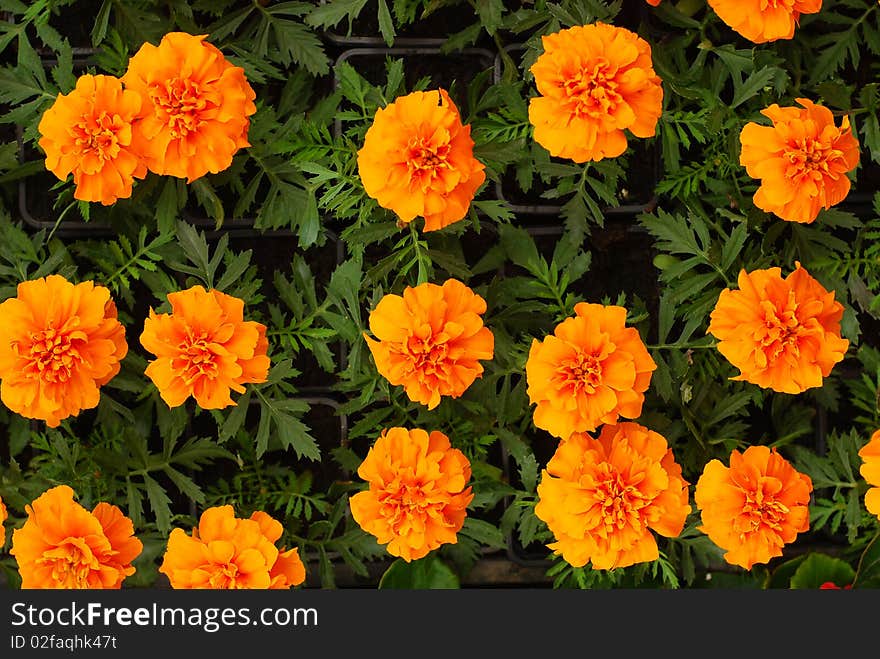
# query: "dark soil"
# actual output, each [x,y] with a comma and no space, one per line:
[451,71]
[433,29]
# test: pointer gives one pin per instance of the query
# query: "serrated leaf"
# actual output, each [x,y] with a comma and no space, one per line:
[486,534]
[159,503]
[386,25]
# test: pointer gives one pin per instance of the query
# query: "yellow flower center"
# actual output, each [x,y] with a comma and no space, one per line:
[195,358]
[181,105]
[71,563]
[53,354]
[593,89]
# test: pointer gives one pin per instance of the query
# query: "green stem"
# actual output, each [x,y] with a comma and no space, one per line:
[417,250]
[682,346]
[58,221]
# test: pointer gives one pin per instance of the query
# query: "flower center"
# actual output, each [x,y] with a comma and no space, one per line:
[181,103]
[411,496]
[425,158]
[98,136]
[781,329]
[195,358]
[405,504]
[427,351]
[619,502]
[583,372]
[225,577]
[594,89]
[808,155]
[762,508]
[71,565]
[53,354]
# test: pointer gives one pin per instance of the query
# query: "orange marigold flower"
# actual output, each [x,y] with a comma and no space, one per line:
[760,21]
[418,160]
[754,507]
[602,497]
[62,545]
[592,370]
[226,552]
[204,348]
[88,132]
[782,334]
[870,471]
[59,343]
[196,109]
[801,160]
[417,499]
[288,569]
[430,340]
[653,3]
[595,81]
[3,516]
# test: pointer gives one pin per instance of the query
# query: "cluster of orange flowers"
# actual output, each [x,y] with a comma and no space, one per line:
[181,109]
[62,545]
[595,83]
[430,341]
[60,342]
[601,497]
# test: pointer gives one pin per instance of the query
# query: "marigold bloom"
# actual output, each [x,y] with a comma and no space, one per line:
[430,340]
[591,371]
[196,105]
[62,545]
[288,569]
[754,507]
[760,21]
[204,348]
[88,132]
[417,499]
[653,3]
[870,471]
[59,343]
[3,516]
[595,81]
[226,552]
[801,160]
[417,160]
[602,497]
[782,334]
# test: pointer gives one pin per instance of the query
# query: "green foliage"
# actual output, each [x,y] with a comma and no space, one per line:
[425,574]
[289,229]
